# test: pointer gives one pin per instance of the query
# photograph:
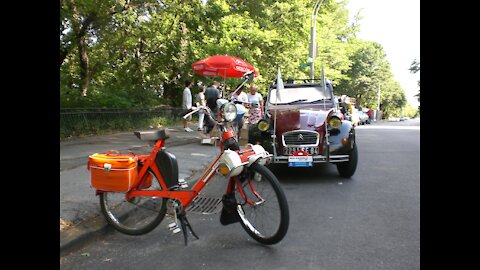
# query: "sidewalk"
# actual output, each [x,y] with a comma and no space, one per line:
[80,217]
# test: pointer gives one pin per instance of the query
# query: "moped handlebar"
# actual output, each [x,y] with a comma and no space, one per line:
[194,110]
[208,111]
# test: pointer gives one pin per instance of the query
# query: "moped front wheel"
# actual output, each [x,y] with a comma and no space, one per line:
[136,216]
[262,205]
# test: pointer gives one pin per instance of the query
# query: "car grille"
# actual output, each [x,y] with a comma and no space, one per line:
[300,137]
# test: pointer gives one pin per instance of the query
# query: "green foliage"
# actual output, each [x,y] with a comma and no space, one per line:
[414,68]
[138,53]
[393,100]
[81,124]
[410,111]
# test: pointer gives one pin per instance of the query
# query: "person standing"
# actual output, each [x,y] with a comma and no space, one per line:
[211,95]
[201,102]
[240,95]
[256,105]
[370,116]
[187,105]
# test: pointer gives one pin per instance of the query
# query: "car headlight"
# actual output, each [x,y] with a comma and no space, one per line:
[263,125]
[229,112]
[334,122]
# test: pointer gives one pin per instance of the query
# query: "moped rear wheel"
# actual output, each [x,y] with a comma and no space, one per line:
[263,207]
[137,216]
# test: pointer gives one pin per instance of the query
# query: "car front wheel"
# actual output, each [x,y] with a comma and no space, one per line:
[347,169]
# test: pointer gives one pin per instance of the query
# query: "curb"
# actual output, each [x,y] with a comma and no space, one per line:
[74,237]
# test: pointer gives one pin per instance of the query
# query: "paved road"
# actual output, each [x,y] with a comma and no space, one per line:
[371,221]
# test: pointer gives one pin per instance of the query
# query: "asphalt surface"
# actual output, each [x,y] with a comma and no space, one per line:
[371,221]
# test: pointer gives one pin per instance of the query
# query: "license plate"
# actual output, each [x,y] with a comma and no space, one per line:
[291,150]
[300,161]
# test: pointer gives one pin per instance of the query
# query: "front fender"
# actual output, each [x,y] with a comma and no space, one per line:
[262,156]
[264,138]
[345,131]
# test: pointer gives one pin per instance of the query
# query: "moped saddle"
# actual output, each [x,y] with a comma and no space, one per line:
[152,135]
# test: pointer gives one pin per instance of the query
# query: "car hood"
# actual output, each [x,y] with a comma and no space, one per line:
[294,119]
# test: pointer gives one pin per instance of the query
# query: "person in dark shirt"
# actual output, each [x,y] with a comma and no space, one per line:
[211,95]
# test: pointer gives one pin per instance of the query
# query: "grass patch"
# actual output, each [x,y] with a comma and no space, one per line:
[78,124]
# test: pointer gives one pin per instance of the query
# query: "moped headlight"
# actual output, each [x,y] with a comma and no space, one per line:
[263,125]
[229,112]
[230,163]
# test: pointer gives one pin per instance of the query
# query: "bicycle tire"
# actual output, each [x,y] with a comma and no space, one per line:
[138,216]
[256,219]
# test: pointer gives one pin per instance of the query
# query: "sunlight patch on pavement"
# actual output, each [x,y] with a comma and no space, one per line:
[388,127]
[199,154]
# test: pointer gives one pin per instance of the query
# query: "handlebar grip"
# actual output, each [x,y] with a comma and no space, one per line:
[193,110]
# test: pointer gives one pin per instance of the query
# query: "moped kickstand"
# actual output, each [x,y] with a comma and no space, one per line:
[185,224]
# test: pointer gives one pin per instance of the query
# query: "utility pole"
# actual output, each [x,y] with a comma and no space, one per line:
[378,102]
[313,47]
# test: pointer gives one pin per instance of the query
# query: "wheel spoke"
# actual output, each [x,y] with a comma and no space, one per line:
[138,215]
[265,215]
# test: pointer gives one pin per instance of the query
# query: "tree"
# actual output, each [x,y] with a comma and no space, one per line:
[368,72]
[122,53]
[414,68]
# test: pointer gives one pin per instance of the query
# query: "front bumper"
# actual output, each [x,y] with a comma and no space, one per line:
[336,151]
[316,159]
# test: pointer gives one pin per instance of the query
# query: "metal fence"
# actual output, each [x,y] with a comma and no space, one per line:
[84,121]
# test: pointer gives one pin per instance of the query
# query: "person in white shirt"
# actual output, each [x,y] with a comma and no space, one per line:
[187,105]
[256,105]
[240,95]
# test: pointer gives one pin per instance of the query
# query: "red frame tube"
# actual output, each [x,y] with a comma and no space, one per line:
[184,196]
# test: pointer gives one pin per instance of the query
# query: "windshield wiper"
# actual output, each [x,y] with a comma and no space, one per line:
[318,100]
[293,102]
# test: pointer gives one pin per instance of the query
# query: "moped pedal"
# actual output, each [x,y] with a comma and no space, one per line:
[182,183]
[174,228]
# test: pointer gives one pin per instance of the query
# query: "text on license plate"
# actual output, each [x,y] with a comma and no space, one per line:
[291,150]
[300,159]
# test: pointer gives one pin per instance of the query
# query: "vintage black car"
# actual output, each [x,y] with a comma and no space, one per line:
[303,126]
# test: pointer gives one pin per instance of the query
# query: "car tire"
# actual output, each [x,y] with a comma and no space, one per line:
[347,169]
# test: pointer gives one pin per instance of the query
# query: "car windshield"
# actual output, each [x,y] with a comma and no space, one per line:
[295,95]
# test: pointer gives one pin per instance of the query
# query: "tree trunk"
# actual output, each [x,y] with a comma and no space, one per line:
[84,65]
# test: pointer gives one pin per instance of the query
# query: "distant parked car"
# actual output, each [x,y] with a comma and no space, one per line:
[404,118]
[355,117]
[363,117]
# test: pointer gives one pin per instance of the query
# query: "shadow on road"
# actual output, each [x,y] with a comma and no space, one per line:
[319,173]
